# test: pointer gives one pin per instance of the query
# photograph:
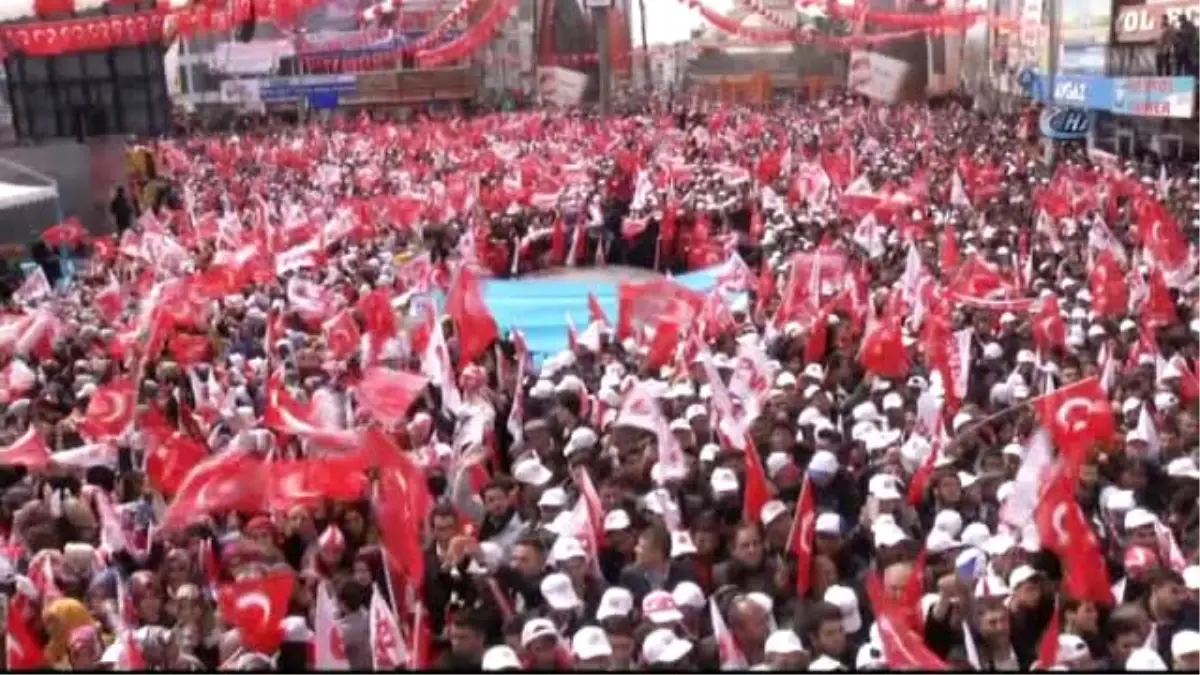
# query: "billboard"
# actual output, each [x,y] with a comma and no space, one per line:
[1144,23]
[912,68]
[561,86]
[1083,35]
[1154,96]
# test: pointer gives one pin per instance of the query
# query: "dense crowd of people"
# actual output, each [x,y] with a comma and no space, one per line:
[937,410]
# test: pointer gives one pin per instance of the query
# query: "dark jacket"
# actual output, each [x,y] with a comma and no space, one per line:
[636,580]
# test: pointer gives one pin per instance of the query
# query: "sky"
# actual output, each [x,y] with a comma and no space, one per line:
[670,21]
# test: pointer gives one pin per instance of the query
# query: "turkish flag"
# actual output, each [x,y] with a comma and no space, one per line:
[401,503]
[758,490]
[110,411]
[1110,293]
[1159,309]
[1078,416]
[342,336]
[29,451]
[189,348]
[474,325]
[168,463]
[1064,529]
[800,539]
[387,394]
[1049,329]
[309,482]
[653,303]
[21,648]
[231,481]
[883,350]
[257,607]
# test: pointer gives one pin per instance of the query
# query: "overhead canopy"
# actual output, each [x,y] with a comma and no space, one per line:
[13,195]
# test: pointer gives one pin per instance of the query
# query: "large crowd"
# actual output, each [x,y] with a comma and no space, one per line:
[937,408]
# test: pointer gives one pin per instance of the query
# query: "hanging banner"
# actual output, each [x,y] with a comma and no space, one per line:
[561,86]
[932,57]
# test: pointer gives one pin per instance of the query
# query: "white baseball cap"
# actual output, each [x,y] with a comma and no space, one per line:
[828,523]
[537,628]
[590,642]
[660,608]
[723,480]
[1145,659]
[663,646]
[1071,648]
[772,510]
[846,600]
[615,520]
[559,593]
[783,642]
[500,657]
[1185,642]
[616,601]
[688,594]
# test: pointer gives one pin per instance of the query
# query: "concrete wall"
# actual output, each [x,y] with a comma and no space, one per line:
[86,175]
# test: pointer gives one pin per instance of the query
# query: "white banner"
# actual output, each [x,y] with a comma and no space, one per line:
[561,86]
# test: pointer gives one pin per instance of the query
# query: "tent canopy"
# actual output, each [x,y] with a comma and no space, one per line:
[13,195]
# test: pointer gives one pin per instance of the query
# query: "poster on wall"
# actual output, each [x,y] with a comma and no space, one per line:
[911,68]
[561,86]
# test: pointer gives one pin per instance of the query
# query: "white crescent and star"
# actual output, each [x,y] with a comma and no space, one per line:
[255,599]
[1056,521]
[1073,422]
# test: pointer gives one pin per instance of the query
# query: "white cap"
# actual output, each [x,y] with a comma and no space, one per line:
[590,642]
[688,594]
[500,657]
[559,593]
[295,629]
[828,523]
[1144,658]
[939,541]
[1183,467]
[682,544]
[663,646]
[975,534]
[948,521]
[1020,575]
[1071,648]
[772,510]
[823,461]
[776,462]
[783,642]
[893,401]
[846,600]
[616,601]
[710,452]
[538,628]
[999,544]
[660,608]
[865,412]
[617,519]
[723,480]
[554,496]
[962,419]
[1191,577]
[1185,642]
[1119,500]
[566,548]
[825,664]
[814,371]
[1139,517]
[532,472]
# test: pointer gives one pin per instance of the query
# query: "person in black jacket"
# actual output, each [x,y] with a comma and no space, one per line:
[653,569]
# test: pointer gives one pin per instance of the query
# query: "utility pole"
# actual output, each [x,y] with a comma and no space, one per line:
[1052,66]
[600,13]
[645,45]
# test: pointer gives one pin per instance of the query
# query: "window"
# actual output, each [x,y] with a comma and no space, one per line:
[128,61]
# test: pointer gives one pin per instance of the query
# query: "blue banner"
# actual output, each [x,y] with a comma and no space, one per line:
[295,88]
[1083,91]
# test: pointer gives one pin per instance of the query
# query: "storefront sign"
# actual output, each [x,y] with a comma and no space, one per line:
[1154,96]
[1144,23]
[276,89]
[1065,124]
[1083,91]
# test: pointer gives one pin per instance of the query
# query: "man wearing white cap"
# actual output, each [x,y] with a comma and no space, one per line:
[591,648]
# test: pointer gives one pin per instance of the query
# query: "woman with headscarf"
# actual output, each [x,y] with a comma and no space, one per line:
[61,618]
